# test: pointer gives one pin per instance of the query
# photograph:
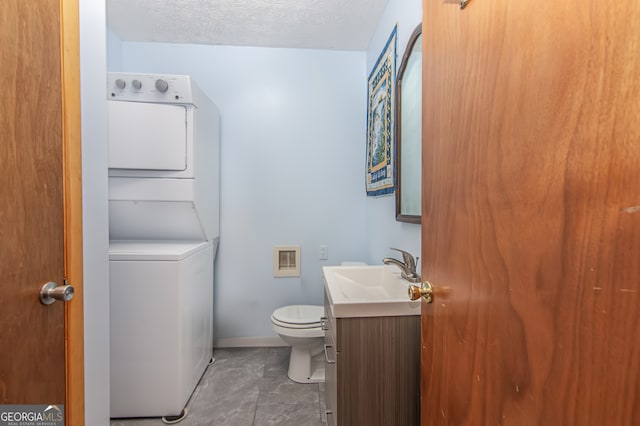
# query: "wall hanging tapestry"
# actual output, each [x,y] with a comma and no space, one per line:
[380,146]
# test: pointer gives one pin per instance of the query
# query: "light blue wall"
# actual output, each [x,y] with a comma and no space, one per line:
[114,51]
[382,229]
[292,167]
[354,227]
[94,211]
[292,163]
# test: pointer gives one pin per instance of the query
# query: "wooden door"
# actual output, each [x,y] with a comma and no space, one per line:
[40,205]
[531,213]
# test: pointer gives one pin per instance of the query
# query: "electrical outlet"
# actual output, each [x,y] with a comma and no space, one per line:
[324,252]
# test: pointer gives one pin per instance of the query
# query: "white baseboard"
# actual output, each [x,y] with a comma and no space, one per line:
[249,342]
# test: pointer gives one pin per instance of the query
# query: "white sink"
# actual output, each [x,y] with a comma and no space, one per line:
[368,291]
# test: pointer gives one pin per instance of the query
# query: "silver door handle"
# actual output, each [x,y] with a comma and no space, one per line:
[323,323]
[50,292]
[326,355]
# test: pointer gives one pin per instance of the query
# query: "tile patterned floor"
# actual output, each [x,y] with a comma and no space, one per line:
[249,387]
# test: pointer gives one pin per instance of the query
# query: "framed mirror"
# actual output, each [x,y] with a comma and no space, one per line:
[408,128]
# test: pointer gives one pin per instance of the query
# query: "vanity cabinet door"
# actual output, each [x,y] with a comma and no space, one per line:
[378,364]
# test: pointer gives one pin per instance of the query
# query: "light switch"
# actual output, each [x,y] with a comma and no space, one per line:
[324,252]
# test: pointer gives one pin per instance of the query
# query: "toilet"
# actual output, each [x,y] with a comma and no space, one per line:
[299,326]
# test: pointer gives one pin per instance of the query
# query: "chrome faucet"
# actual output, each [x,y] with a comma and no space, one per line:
[408,266]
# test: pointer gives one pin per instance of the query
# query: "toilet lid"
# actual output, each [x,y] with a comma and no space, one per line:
[299,314]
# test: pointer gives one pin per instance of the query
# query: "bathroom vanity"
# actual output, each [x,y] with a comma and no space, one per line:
[372,374]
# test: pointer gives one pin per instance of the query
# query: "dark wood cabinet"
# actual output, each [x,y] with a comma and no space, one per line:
[372,370]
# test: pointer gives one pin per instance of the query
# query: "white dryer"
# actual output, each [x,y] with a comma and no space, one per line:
[164,182]
[164,159]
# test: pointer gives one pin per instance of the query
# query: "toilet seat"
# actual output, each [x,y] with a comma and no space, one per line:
[300,327]
[298,316]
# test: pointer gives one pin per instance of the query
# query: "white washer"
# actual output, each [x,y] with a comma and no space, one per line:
[161,324]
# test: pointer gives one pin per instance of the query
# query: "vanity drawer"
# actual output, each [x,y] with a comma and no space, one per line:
[331,393]
[328,324]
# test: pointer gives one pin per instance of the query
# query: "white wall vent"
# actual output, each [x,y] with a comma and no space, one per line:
[286,261]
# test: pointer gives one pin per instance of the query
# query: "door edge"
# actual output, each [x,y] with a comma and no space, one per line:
[72,178]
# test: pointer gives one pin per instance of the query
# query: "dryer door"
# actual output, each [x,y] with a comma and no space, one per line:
[147,136]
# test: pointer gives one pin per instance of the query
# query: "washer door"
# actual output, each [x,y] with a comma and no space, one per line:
[147,136]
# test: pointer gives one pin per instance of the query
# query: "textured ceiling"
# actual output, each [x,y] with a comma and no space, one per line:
[315,24]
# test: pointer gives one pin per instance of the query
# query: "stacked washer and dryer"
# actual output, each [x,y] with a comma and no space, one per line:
[164,180]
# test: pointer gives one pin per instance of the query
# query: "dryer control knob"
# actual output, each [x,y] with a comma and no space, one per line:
[137,84]
[162,85]
[121,83]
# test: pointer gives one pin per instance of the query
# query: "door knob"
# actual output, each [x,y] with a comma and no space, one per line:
[50,292]
[425,291]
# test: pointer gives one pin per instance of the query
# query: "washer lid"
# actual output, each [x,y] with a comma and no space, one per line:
[299,314]
[154,250]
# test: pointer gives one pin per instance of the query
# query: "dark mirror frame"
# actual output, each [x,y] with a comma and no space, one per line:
[398,131]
